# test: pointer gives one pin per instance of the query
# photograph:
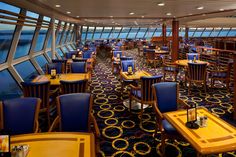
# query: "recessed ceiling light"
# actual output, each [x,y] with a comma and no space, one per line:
[190,14]
[131,13]
[200,8]
[168,14]
[57,5]
[203,14]
[161,4]
[68,12]
[142,16]
[221,10]
[111,16]
[77,16]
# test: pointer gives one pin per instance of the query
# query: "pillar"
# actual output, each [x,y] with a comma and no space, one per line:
[186,32]
[53,39]
[175,40]
[164,34]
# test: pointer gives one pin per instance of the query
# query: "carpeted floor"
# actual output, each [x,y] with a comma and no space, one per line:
[122,134]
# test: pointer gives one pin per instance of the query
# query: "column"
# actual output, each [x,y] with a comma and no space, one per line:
[186,32]
[175,40]
[53,39]
[164,34]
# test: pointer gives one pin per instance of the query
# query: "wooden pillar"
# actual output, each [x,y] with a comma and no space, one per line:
[234,56]
[164,34]
[175,40]
[53,39]
[186,32]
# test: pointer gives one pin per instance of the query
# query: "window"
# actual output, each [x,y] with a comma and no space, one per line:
[198,32]
[70,33]
[60,52]
[64,49]
[232,32]
[215,32]
[42,34]
[168,32]
[41,60]
[158,32]
[124,32]
[84,31]
[26,36]
[50,54]
[9,87]
[90,33]
[133,33]
[63,39]
[191,31]
[115,32]
[224,32]
[207,32]
[70,47]
[141,33]
[150,32]
[181,32]
[27,74]
[97,33]
[60,33]
[106,32]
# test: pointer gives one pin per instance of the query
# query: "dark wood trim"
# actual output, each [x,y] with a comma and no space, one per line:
[234,116]
[175,40]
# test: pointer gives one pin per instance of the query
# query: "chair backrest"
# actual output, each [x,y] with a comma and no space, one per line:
[74,112]
[125,58]
[69,55]
[166,95]
[150,55]
[80,60]
[197,71]
[146,87]
[58,66]
[117,52]
[125,64]
[79,67]
[37,89]
[79,86]
[20,115]
[190,56]
[87,54]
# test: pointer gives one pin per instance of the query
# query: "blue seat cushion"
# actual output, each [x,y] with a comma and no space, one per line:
[136,93]
[169,129]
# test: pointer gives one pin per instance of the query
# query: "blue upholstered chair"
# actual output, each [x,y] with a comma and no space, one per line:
[87,54]
[125,58]
[117,52]
[20,115]
[143,94]
[39,90]
[61,61]
[74,113]
[190,56]
[60,69]
[69,55]
[115,63]
[166,95]
[79,67]
[79,86]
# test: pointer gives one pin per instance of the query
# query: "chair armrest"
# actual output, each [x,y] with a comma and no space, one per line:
[182,103]
[54,124]
[134,87]
[97,131]
[36,129]
[159,116]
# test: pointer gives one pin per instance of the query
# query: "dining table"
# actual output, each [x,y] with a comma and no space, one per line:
[56,144]
[66,77]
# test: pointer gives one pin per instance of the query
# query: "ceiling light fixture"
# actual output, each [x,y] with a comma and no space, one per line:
[68,12]
[57,5]
[77,16]
[200,8]
[131,13]
[111,16]
[221,10]
[142,16]
[168,14]
[161,4]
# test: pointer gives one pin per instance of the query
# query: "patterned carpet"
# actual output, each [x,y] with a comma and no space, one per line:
[122,135]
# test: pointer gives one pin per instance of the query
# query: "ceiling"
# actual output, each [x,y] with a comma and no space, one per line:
[147,13]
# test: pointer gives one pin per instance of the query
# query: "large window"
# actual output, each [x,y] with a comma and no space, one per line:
[97,33]
[232,32]
[106,32]
[168,32]
[181,32]
[141,33]
[215,32]
[115,32]
[198,32]
[207,32]
[9,87]
[63,40]
[60,52]
[158,32]
[191,31]
[70,33]
[41,60]
[27,74]
[60,33]
[124,32]
[26,36]
[42,34]
[224,32]
[132,33]
[150,33]
[84,31]
[90,33]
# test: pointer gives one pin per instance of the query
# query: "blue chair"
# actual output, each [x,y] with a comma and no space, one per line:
[79,86]
[39,90]
[125,58]
[143,94]
[190,56]
[20,115]
[61,61]
[74,113]
[117,52]
[69,55]
[79,67]
[166,96]
[87,54]
[60,69]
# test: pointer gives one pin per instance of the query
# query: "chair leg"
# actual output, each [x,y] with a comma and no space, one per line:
[227,85]
[130,102]
[163,144]
[141,113]
[189,87]
[205,87]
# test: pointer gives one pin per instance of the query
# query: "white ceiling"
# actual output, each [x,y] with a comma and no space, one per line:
[116,12]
